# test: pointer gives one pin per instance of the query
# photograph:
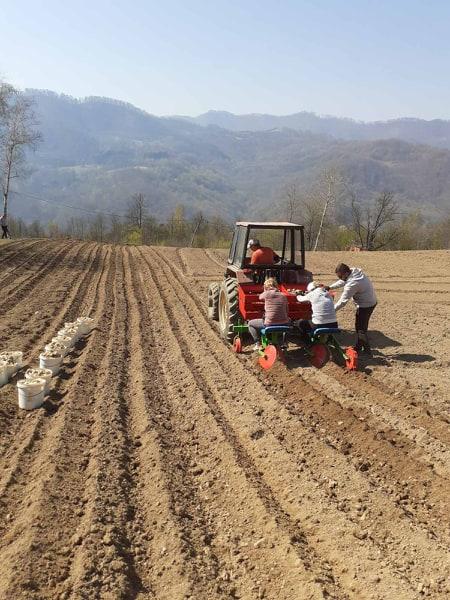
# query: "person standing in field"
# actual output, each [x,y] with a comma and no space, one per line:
[275,310]
[4,224]
[359,287]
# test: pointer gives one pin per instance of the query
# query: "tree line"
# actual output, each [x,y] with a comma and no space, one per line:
[371,227]
[136,227]
[335,217]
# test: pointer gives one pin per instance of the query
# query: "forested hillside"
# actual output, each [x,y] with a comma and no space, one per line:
[97,152]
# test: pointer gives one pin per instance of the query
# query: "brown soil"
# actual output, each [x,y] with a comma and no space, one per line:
[164,466]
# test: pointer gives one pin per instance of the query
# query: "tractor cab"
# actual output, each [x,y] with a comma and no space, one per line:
[286,240]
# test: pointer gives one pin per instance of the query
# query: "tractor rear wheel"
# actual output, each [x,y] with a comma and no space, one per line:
[213,301]
[228,308]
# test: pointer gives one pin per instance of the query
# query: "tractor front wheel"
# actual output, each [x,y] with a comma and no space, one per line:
[213,301]
[228,308]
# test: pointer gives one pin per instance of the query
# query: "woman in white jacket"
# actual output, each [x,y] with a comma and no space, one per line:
[359,287]
[322,305]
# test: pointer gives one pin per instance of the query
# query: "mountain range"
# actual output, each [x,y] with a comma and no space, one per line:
[419,131]
[97,152]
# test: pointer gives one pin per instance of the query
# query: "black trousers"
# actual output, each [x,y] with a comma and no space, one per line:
[362,318]
[5,232]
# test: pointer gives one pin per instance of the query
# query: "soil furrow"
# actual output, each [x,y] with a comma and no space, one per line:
[151,500]
[32,315]
[423,446]
[405,402]
[30,422]
[212,257]
[418,541]
[37,326]
[105,561]
[162,465]
[9,251]
[393,455]
[209,576]
[214,396]
[48,503]
[181,262]
[23,288]
[246,535]
[122,482]
[26,267]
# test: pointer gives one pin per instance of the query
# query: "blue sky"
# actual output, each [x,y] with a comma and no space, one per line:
[363,59]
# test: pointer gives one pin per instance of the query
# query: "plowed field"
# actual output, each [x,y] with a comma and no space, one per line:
[164,466]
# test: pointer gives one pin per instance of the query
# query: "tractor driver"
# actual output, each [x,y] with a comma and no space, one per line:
[261,255]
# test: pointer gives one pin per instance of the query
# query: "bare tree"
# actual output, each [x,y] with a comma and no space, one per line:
[292,200]
[311,218]
[327,194]
[116,229]
[6,92]
[17,133]
[369,222]
[137,210]
[198,221]
[97,228]
[76,227]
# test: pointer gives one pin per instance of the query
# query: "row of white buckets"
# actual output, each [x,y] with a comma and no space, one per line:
[36,384]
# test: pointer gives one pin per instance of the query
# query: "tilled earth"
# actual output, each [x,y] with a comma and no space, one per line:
[164,466]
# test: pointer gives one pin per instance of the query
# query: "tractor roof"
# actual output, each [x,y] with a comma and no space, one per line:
[267,224]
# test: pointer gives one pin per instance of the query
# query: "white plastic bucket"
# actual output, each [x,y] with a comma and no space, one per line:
[56,347]
[12,365]
[73,326]
[18,356]
[3,372]
[65,333]
[64,341]
[70,332]
[31,393]
[86,325]
[51,360]
[73,332]
[45,374]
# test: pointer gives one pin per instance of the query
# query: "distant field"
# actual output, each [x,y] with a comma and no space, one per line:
[165,466]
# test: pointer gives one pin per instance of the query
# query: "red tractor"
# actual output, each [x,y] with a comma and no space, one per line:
[235,300]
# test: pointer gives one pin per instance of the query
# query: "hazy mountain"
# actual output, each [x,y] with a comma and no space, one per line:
[98,152]
[434,133]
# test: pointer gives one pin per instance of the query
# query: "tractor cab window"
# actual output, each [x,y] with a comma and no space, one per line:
[233,248]
[238,246]
[279,240]
[298,246]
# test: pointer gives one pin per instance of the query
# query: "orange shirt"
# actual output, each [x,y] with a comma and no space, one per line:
[262,256]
